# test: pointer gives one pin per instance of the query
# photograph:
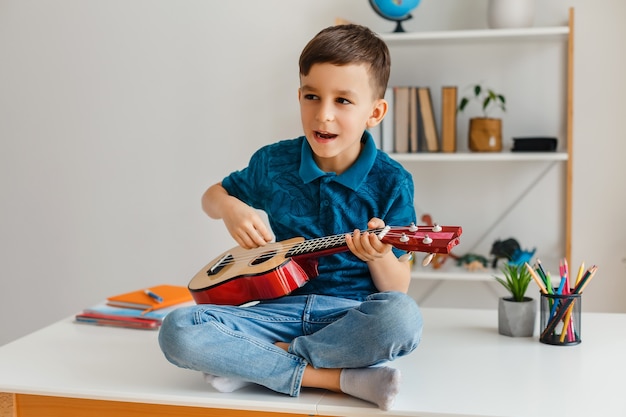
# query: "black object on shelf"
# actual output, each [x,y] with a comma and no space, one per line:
[534,144]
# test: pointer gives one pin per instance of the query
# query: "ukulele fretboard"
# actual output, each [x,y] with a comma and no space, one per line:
[321,244]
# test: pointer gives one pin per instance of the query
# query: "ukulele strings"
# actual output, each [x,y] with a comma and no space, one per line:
[309,245]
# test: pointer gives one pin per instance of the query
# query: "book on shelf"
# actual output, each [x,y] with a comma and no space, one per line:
[414,121]
[419,124]
[448,118]
[388,123]
[428,119]
[401,119]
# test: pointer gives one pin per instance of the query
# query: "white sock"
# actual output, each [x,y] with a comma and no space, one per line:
[225,384]
[378,385]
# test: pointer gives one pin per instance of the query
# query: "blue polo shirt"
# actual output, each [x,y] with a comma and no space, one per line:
[300,199]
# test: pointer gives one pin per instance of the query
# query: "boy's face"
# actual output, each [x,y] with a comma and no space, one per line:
[337,104]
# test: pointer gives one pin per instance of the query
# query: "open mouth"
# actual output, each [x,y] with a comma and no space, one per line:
[325,135]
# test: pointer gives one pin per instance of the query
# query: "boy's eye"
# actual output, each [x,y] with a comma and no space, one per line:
[343,101]
[311,97]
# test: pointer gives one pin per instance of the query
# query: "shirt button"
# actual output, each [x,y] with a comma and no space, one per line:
[325,203]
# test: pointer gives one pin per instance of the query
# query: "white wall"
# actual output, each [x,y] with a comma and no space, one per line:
[599,207]
[116,115]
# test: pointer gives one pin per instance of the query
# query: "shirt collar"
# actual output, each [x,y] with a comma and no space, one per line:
[352,177]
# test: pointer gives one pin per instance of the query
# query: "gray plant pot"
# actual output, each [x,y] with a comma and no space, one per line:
[517,318]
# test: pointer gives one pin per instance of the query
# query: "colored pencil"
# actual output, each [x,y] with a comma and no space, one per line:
[585,281]
[580,274]
[536,278]
[567,328]
[541,270]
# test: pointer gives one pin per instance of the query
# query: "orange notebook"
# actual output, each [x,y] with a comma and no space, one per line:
[152,298]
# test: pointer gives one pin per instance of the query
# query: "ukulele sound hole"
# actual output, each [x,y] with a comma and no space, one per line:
[266,256]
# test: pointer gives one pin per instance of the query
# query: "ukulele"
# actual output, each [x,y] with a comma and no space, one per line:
[240,275]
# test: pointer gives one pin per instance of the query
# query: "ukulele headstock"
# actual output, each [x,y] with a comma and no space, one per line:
[429,239]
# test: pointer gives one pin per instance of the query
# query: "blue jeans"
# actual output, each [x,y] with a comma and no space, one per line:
[325,332]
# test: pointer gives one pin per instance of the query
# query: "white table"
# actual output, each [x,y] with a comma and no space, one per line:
[462,367]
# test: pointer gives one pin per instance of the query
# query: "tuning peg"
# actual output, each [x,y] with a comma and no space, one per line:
[436,228]
[404,238]
[406,257]
[412,227]
[427,259]
[427,240]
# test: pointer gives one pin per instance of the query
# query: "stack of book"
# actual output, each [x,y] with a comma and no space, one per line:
[410,124]
[140,309]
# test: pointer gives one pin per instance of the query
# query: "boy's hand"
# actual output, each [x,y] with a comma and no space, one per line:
[366,246]
[242,221]
[246,226]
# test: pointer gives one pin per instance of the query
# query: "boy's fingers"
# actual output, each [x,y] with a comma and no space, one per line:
[354,244]
[375,223]
[266,235]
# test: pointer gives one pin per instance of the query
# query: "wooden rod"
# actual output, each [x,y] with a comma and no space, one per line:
[570,141]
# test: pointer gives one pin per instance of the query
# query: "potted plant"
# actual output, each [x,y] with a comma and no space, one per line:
[485,133]
[517,313]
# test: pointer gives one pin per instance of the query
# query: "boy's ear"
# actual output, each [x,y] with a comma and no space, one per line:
[378,112]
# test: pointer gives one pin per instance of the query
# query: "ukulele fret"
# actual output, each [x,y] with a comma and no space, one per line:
[322,244]
[317,245]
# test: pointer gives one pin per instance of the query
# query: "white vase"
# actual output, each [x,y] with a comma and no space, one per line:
[503,14]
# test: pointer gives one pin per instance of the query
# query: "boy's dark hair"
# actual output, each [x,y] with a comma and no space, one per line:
[350,44]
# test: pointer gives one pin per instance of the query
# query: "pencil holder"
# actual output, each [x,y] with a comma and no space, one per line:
[560,319]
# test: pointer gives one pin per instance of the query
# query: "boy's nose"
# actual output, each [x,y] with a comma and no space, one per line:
[325,113]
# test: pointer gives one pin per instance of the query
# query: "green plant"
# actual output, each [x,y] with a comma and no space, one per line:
[488,98]
[516,280]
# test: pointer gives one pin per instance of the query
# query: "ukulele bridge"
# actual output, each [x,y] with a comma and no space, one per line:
[220,264]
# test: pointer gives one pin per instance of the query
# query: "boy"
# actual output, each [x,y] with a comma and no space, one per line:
[336,330]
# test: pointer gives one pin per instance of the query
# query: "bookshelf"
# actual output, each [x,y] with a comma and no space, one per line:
[480,156]
[435,48]
[393,39]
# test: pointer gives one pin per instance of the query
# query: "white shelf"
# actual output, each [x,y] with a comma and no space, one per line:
[449,271]
[479,156]
[411,38]
[555,40]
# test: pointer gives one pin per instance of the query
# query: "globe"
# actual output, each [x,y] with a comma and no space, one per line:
[395,10]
